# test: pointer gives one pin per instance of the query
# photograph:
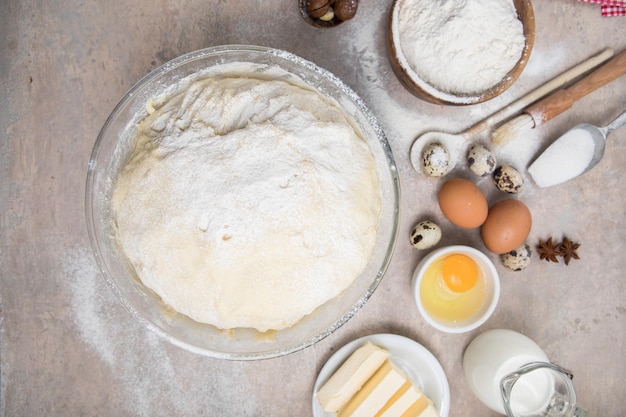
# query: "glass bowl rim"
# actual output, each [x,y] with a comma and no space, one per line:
[170,65]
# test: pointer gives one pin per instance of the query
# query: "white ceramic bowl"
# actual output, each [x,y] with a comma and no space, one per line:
[492,285]
[111,150]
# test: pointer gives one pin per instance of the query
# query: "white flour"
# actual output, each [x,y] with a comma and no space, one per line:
[460,46]
[247,203]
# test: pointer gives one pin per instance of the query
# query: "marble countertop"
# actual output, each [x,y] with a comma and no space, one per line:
[68,346]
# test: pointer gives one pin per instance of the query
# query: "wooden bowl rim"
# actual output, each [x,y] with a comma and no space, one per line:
[525,13]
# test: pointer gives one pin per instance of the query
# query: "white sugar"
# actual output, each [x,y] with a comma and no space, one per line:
[565,159]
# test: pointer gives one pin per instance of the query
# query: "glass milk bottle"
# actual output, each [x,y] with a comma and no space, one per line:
[512,375]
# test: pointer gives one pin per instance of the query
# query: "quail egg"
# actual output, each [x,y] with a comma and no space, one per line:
[435,160]
[480,160]
[425,235]
[508,179]
[518,258]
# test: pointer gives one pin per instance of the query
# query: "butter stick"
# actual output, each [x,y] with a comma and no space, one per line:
[351,376]
[423,407]
[401,401]
[429,411]
[376,392]
[408,401]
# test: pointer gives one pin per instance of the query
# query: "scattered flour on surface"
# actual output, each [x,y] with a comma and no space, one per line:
[138,358]
[395,119]
[403,124]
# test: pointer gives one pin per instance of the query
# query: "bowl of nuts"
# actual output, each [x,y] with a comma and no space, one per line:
[328,13]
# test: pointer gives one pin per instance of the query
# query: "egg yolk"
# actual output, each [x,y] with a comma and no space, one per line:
[459,272]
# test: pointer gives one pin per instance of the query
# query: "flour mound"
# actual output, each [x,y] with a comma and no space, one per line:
[460,46]
[247,202]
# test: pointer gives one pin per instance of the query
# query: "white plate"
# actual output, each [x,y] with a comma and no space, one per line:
[414,359]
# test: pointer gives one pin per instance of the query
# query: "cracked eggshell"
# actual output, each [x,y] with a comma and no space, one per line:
[435,160]
[518,258]
[480,160]
[425,235]
[508,179]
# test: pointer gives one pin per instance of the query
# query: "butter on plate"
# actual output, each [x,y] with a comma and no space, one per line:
[369,384]
[408,401]
[351,376]
[376,392]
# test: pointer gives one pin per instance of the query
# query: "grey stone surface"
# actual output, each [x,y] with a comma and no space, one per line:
[69,348]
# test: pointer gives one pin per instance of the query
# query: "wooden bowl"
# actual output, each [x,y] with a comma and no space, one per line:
[313,21]
[425,91]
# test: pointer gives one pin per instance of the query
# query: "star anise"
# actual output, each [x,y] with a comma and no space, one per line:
[568,250]
[549,251]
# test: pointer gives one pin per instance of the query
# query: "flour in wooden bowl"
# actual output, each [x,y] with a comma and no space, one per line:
[458,50]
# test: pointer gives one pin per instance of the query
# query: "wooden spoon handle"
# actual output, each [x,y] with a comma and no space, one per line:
[538,93]
[558,102]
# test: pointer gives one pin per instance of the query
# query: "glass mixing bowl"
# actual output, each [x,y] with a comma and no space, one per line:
[111,151]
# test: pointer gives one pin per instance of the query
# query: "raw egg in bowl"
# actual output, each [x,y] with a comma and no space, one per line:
[456,288]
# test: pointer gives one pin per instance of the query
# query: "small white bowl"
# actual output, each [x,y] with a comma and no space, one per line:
[492,284]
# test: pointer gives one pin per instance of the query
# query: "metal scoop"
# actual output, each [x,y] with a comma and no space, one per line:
[573,154]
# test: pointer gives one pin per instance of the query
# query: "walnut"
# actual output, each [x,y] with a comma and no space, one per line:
[345,9]
[318,8]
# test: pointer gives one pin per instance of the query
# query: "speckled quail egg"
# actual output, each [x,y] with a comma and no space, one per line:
[518,258]
[480,160]
[425,235]
[508,179]
[435,160]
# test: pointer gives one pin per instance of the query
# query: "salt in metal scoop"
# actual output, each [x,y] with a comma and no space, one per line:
[573,154]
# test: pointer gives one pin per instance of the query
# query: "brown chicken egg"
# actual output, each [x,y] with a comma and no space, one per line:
[463,203]
[507,226]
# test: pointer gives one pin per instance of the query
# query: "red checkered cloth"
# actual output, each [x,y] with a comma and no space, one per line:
[610,7]
[613,10]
